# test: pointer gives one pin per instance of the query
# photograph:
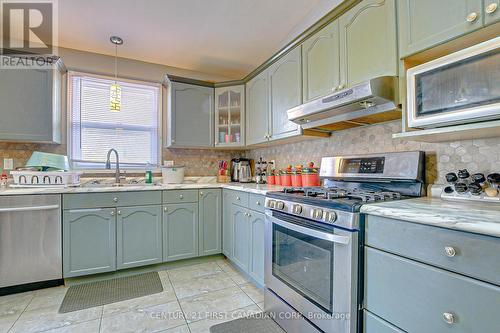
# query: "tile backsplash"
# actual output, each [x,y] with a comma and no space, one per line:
[476,155]
[198,162]
[482,155]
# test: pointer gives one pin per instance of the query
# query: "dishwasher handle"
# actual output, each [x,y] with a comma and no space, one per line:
[28,209]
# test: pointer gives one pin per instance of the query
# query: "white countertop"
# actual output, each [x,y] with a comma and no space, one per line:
[476,217]
[247,187]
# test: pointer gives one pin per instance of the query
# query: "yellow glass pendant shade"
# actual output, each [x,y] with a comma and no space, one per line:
[115,97]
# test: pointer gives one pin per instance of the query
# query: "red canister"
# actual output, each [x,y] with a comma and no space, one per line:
[297,176]
[271,179]
[286,176]
[277,178]
[310,176]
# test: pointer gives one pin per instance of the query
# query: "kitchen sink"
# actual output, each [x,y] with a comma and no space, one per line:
[125,184]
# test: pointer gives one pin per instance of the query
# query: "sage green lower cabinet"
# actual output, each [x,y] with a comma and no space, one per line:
[210,210]
[420,298]
[256,266]
[227,224]
[180,231]
[139,236]
[241,237]
[89,241]
[374,324]
[426,23]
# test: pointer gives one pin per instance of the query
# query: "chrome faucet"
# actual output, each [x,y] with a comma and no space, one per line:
[108,164]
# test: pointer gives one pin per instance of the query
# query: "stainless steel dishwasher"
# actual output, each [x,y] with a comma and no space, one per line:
[30,241]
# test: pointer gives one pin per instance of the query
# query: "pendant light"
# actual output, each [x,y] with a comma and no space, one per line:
[115,91]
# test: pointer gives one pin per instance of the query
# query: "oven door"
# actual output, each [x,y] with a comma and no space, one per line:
[313,268]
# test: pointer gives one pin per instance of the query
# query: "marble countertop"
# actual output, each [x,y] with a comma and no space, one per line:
[476,217]
[195,184]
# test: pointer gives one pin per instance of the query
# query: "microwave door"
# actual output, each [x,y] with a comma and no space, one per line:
[459,90]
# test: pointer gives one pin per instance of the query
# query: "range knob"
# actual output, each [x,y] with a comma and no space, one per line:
[330,217]
[271,204]
[280,205]
[297,209]
[317,213]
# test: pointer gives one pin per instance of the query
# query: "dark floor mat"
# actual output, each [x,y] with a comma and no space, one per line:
[99,293]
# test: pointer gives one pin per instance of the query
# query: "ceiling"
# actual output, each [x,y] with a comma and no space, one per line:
[228,38]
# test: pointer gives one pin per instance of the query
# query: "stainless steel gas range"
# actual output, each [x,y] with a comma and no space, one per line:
[314,235]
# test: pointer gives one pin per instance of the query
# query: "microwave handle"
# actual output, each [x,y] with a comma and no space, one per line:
[314,233]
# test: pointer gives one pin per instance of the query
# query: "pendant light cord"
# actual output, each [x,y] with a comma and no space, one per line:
[116,63]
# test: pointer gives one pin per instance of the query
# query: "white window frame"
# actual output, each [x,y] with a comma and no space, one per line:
[69,116]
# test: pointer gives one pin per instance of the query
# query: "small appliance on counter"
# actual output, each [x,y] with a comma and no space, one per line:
[476,187]
[172,174]
[46,170]
[244,171]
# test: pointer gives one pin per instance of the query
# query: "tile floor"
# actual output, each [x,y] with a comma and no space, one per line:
[195,297]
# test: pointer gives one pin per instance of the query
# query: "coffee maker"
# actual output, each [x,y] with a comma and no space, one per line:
[241,170]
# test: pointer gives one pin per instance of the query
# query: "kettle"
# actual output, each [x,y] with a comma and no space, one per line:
[235,163]
[244,171]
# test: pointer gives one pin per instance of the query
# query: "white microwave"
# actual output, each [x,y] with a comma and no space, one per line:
[463,87]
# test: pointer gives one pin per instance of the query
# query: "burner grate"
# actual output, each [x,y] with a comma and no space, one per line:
[332,193]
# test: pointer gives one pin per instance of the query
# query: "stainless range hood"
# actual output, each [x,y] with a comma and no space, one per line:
[367,103]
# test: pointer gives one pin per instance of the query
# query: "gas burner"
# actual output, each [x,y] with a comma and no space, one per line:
[332,193]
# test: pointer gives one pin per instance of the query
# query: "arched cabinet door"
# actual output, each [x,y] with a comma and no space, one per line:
[180,231]
[256,267]
[210,205]
[89,241]
[257,110]
[320,62]
[285,85]
[241,240]
[139,236]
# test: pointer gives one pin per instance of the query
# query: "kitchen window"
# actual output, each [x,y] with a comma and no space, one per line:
[94,129]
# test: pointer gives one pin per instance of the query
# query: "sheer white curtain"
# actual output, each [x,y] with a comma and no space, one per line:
[134,131]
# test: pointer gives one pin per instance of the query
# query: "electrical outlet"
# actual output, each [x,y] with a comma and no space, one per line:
[8,164]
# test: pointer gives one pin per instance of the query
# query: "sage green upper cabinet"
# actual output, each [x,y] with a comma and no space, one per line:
[190,116]
[492,11]
[257,111]
[285,85]
[368,42]
[180,231]
[30,105]
[138,236]
[230,116]
[89,241]
[320,62]
[210,209]
[426,23]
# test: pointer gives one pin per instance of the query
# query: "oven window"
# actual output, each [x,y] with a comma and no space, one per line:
[305,264]
[469,83]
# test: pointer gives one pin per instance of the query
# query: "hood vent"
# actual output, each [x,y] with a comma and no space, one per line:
[370,102]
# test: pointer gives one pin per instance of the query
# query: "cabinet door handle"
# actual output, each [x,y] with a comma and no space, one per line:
[491,8]
[201,194]
[341,86]
[249,215]
[112,213]
[449,318]
[181,196]
[238,198]
[472,17]
[258,203]
[115,199]
[165,209]
[119,212]
[450,251]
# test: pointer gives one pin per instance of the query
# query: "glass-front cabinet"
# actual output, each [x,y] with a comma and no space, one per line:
[229,116]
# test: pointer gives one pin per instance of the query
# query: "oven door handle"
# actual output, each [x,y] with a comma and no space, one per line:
[311,232]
